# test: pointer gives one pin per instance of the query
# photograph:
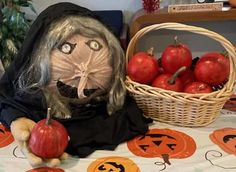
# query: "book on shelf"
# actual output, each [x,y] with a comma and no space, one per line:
[179,8]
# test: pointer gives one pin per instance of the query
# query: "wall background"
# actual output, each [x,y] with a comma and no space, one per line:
[159,39]
[127,6]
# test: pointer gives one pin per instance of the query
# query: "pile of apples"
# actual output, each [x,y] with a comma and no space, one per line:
[178,71]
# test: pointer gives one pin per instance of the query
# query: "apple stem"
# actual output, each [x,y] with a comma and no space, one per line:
[176,74]
[150,51]
[48,119]
[176,41]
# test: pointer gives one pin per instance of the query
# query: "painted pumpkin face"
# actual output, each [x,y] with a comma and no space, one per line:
[6,137]
[225,138]
[163,143]
[114,164]
[82,63]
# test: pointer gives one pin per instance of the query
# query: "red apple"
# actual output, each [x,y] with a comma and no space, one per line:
[187,76]
[176,56]
[197,87]
[212,68]
[169,81]
[46,169]
[48,138]
[143,67]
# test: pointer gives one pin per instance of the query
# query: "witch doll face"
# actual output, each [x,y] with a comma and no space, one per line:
[81,63]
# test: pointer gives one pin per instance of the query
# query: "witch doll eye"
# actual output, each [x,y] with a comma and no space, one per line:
[94,45]
[67,47]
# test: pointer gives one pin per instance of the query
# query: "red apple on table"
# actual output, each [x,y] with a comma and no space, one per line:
[48,138]
[46,169]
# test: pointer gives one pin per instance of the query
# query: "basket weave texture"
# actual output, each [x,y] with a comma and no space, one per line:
[178,108]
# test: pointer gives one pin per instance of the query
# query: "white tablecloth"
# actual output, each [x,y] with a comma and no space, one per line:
[207,157]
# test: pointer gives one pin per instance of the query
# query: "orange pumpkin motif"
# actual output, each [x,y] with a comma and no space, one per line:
[114,164]
[225,138]
[46,169]
[6,137]
[164,143]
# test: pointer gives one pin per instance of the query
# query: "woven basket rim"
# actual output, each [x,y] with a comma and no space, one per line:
[172,95]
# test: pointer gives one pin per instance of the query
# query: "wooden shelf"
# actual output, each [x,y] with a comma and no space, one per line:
[142,18]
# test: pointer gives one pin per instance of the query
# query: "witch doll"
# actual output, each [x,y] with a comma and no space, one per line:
[72,63]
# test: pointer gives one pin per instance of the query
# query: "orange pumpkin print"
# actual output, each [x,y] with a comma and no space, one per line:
[46,169]
[225,138]
[6,137]
[164,143]
[114,164]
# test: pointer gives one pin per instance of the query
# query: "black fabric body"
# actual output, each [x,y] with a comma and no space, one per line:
[90,127]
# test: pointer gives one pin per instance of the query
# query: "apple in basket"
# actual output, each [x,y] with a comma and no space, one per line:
[212,68]
[48,138]
[197,87]
[175,56]
[170,81]
[143,67]
[187,77]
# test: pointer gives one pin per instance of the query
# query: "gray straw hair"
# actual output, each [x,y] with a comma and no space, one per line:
[38,72]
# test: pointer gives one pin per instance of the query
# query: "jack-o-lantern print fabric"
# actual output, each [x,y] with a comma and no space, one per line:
[6,138]
[225,138]
[113,164]
[82,63]
[164,143]
[163,148]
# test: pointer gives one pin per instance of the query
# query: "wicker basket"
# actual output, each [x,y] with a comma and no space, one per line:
[181,109]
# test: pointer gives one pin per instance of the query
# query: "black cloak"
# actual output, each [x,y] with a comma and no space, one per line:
[90,128]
